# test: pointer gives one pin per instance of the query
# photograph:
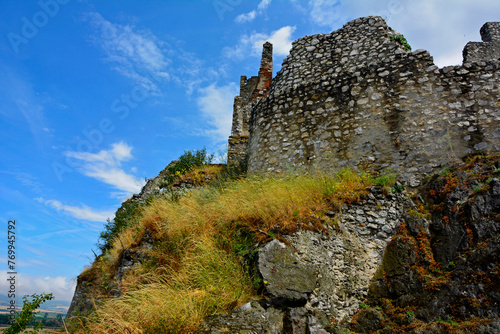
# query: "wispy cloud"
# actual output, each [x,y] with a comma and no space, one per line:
[19,98]
[250,16]
[191,72]
[325,12]
[79,212]
[137,54]
[26,180]
[62,287]
[105,166]
[74,232]
[252,44]
[146,59]
[216,105]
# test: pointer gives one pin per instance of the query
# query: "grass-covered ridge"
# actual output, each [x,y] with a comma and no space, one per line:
[203,244]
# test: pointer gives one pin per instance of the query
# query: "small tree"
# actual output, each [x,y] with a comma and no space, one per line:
[28,314]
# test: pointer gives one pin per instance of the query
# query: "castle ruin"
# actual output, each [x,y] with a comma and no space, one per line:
[354,98]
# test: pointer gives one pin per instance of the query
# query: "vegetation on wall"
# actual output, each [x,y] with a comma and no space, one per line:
[402,41]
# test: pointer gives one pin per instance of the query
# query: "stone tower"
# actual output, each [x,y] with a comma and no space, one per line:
[251,92]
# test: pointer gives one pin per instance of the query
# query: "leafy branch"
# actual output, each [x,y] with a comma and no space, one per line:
[28,313]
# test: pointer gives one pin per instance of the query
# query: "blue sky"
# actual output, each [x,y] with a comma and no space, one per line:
[96,96]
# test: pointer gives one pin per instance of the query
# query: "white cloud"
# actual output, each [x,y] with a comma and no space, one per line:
[105,166]
[426,24]
[250,16]
[252,44]
[264,4]
[62,287]
[280,39]
[138,55]
[78,212]
[216,105]
[431,25]
[324,12]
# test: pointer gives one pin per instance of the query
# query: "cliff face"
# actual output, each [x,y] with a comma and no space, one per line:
[444,261]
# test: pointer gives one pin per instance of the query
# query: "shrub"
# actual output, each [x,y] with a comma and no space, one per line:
[386,180]
[123,218]
[402,41]
[186,162]
[28,314]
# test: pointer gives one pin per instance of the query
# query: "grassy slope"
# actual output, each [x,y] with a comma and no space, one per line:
[202,245]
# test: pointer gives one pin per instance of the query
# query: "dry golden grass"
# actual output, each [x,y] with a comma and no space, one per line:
[196,271]
[210,281]
[256,203]
[42,331]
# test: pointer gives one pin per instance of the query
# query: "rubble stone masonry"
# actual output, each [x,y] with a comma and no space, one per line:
[354,98]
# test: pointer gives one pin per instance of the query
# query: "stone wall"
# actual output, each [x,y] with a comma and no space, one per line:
[489,48]
[318,277]
[251,92]
[354,98]
[353,253]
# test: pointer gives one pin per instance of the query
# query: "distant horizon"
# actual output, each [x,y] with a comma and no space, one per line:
[97,97]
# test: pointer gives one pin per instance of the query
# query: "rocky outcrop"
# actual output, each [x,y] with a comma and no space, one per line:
[423,263]
[81,303]
[315,280]
[444,262]
[85,295]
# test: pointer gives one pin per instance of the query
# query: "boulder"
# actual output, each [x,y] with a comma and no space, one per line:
[286,279]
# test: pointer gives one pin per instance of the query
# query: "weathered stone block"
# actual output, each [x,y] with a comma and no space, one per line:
[287,279]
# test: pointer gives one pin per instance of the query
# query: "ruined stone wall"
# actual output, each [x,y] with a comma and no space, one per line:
[251,92]
[489,48]
[354,98]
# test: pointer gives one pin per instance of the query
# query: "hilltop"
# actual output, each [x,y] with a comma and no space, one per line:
[361,194]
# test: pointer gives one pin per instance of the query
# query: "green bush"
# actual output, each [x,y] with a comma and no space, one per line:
[123,218]
[402,41]
[385,180]
[186,162]
[189,160]
[28,314]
